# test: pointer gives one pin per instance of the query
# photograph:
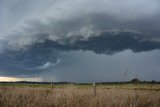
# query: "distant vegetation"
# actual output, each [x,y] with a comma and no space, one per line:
[133,81]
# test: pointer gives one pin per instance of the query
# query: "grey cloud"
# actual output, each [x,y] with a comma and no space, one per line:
[20,62]
[103,27]
[107,42]
[46,54]
[70,31]
[84,18]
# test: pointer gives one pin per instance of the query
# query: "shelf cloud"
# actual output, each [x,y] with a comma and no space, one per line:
[34,38]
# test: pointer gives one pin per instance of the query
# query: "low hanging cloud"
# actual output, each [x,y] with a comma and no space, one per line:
[37,41]
[49,65]
[104,42]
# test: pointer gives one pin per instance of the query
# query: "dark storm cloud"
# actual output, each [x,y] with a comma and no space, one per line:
[83,30]
[82,19]
[26,63]
[33,42]
[46,54]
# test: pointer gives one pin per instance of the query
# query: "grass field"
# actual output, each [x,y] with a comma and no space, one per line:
[43,95]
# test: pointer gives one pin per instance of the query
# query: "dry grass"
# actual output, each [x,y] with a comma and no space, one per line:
[74,96]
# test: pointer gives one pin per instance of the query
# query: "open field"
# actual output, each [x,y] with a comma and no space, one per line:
[43,95]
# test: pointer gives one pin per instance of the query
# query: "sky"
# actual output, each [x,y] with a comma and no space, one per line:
[79,40]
